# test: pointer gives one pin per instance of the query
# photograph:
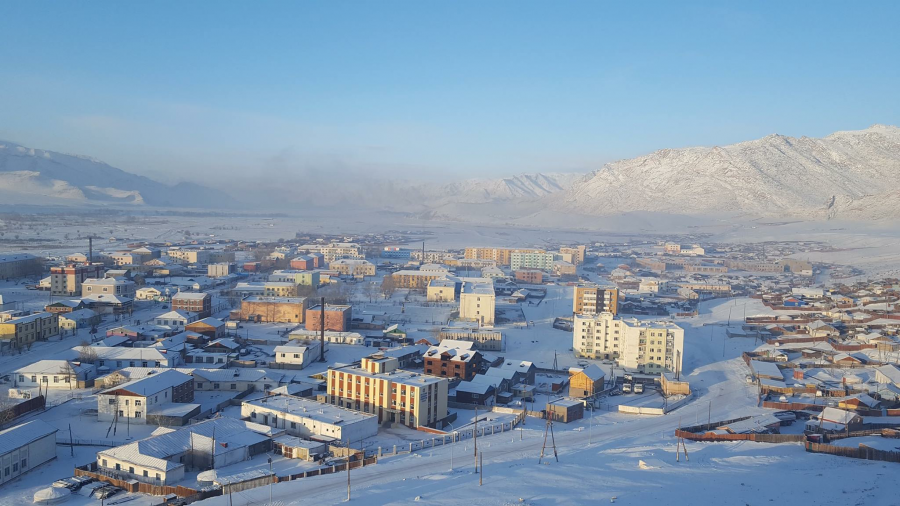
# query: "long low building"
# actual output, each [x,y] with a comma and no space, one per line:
[310,419]
[274,309]
[25,447]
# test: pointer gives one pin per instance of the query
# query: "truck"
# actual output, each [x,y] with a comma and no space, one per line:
[638,388]
[626,388]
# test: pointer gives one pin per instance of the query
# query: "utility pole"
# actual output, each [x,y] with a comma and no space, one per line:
[348,463]
[271,478]
[475,438]
[322,336]
[481,474]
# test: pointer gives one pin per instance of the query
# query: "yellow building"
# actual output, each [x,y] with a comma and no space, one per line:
[441,290]
[280,289]
[573,255]
[591,299]
[502,256]
[377,386]
[416,279]
[19,332]
[648,346]
[358,268]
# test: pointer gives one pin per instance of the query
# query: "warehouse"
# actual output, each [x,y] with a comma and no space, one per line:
[310,419]
[25,447]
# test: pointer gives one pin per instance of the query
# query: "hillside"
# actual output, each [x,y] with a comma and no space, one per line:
[843,174]
[43,177]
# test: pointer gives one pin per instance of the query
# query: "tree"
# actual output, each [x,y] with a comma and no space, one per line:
[370,290]
[71,375]
[86,353]
[388,286]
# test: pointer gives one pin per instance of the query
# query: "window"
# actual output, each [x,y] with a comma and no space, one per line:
[137,402]
[234,386]
[6,471]
[121,412]
[105,463]
[126,402]
[15,466]
[216,386]
[146,474]
[199,384]
[253,415]
[131,469]
[293,425]
[34,379]
[112,401]
[23,463]
[137,414]
[157,476]
[21,377]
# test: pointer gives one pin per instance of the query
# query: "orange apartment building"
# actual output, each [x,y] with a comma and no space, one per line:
[531,276]
[592,299]
[337,317]
[502,256]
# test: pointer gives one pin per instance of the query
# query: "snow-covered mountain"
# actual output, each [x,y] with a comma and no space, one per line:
[45,177]
[850,174]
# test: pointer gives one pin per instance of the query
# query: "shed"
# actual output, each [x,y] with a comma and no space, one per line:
[565,410]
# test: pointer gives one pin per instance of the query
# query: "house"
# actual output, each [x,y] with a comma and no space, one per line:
[833,420]
[200,303]
[212,328]
[587,382]
[442,290]
[161,458]
[310,419]
[109,359]
[109,304]
[857,402]
[21,332]
[295,356]
[25,447]
[55,374]
[766,370]
[516,371]
[164,398]
[177,319]
[849,360]
[889,374]
[565,410]
[453,359]
[64,306]
[81,319]
[480,390]
[239,380]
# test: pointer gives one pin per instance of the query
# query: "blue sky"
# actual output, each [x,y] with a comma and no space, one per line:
[184,90]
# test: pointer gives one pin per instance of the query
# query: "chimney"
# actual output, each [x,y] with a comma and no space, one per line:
[322,333]
[90,250]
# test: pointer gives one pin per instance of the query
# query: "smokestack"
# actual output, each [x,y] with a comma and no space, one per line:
[423,253]
[322,333]
[90,250]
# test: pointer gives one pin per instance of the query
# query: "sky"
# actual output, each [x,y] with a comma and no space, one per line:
[222,90]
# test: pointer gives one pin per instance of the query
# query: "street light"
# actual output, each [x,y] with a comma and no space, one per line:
[591,423]
[452,442]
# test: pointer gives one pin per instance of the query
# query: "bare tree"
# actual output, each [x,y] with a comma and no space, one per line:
[388,286]
[86,353]
[71,375]
[370,290]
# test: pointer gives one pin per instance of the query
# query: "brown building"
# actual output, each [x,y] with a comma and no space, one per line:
[303,263]
[531,276]
[273,309]
[587,382]
[212,328]
[193,303]
[337,318]
[65,306]
[67,280]
[592,299]
[448,361]
[565,410]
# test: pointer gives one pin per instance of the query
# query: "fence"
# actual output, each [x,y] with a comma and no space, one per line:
[132,485]
[11,413]
[862,452]
[759,438]
[89,442]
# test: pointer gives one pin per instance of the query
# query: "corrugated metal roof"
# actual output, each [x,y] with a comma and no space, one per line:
[21,435]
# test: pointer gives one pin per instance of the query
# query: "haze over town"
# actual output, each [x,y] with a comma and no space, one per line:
[449,253]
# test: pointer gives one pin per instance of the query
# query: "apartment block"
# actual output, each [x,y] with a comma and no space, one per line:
[592,299]
[416,279]
[377,386]
[301,278]
[477,303]
[531,260]
[573,255]
[108,286]
[220,269]
[189,256]
[334,251]
[193,302]
[530,276]
[652,347]
[310,419]
[20,332]
[19,265]
[358,268]
[502,256]
[273,309]
[67,280]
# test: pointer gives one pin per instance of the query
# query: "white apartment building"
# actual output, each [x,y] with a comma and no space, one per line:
[531,260]
[335,250]
[647,346]
[477,303]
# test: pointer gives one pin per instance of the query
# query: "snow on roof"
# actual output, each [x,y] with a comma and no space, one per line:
[306,408]
[152,383]
[891,372]
[225,342]
[106,298]
[20,435]
[474,387]
[52,367]
[766,369]
[174,314]
[120,353]
[29,318]
[78,315]
[68,303]
[593,372]
[836,415]
[212,322]
[190,296]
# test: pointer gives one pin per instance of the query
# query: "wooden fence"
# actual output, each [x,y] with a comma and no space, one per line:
[11,413]
[759,438]
[862,452]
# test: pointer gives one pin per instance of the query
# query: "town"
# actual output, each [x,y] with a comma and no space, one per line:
[193,370]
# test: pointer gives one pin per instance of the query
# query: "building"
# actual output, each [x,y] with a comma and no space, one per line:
[65,306]
[416,279]
[108,286]
[310,419]
[189,256]
[19,265]
[273,309]
[502,256]
[81,319]
[302,278]
[220,269]
[394,395]
[481,390]
[113,358]
[453,359]
[395,252]
[21,332]
[529,276]
[672,386]
[298,355]
[565,410]
[476,303]
[484,340]
[333,251]
[573,255]
[587,382]
[652,347]
[357,268]
[337,318]
[25,447]
[562,268]
[531,260]
[177,319]
[147,399]
[280,289]
[592,299]
[212,328]
[109,304]
[442,290]
[239,380]
[292,447]
[161,459]
[55,375]
[67,280]
[193,302]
